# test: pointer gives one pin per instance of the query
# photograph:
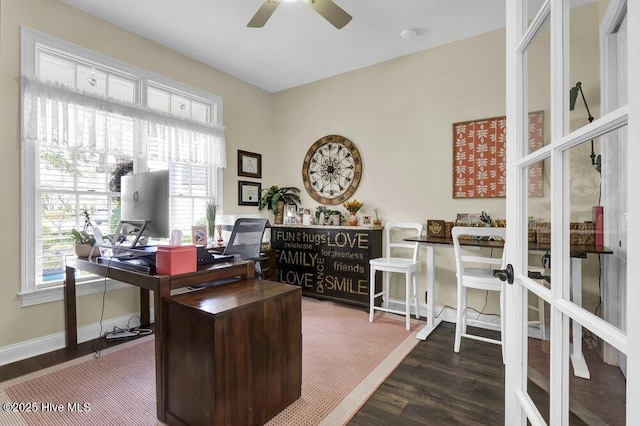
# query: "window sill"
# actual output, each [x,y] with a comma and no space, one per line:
[53,294]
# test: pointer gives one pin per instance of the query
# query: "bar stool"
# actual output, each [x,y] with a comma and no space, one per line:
[396,264]
[470,275]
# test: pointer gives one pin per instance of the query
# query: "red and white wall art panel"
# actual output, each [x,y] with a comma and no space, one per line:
[480,155]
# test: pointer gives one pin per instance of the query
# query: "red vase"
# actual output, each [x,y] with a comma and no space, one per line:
[353,220]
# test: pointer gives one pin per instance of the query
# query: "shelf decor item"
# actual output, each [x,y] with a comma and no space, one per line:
[435,228]
[275,198]
[378,220]
[353,207]
[199,235]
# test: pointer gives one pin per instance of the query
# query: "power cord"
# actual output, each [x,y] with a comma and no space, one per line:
[98,352]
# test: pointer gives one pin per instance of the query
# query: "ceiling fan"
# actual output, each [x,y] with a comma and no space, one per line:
[327,8]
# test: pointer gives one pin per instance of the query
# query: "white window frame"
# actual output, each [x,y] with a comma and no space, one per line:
[30,294]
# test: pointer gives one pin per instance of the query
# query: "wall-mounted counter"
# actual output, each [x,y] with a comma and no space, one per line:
[329,262]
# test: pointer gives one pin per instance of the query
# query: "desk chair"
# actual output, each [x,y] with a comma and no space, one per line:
[245,242]
[470,275]
[396,264]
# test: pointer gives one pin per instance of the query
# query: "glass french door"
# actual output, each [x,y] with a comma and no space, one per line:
[572,347]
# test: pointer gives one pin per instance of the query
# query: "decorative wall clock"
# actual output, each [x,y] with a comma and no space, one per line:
[332,169]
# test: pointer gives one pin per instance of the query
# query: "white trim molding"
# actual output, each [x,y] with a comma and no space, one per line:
[52,342]
[53,294]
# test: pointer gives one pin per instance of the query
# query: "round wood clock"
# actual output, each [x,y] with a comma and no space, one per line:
[332,169]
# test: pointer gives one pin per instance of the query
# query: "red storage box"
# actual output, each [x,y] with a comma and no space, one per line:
[174,260]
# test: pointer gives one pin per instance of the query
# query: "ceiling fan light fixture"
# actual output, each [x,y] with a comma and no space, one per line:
[408,33]
[326,8]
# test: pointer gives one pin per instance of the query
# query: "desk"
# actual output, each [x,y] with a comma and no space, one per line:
[577,253]
[161,285]
[233,353]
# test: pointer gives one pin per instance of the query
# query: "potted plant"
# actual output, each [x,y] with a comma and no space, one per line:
[275,198]
[212,208]
[83,242]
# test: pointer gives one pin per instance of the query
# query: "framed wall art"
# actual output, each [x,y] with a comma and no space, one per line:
[249,164]
[479,157]
[249,193]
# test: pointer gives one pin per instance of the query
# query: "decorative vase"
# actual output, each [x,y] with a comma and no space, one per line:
[353,220]
[82,250]
[278,219]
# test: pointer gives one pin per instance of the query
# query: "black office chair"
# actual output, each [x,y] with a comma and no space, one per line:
[245,242]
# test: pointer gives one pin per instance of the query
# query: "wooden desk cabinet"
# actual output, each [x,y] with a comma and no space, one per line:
[160,285]
[233,353]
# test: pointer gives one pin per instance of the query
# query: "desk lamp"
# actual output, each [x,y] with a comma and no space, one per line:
[573,96]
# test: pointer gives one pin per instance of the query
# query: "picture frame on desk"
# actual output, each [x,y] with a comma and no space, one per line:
[199,235]
[249,193]
[249,164]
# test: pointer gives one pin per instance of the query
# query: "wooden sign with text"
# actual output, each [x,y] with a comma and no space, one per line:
[327,262]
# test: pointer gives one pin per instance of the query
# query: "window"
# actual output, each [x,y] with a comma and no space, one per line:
[87,121]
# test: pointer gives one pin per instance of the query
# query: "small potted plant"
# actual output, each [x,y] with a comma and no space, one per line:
[275,198]
[83,242]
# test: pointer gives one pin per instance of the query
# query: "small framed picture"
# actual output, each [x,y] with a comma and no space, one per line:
[366,219]
[199,235]
[249,164]
[249,193]
[291,211]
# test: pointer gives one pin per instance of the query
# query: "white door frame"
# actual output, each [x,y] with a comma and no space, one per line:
[518,406]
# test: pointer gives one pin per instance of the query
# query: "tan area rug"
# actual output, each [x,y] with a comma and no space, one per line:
[345,358]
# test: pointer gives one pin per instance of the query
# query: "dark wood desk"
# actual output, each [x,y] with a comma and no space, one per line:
[161,285]
[578,252]
[233,353]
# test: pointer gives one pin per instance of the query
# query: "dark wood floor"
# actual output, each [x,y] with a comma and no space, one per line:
[436,386]
[432,386]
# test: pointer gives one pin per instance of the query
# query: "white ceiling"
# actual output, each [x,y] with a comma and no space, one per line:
[296,46]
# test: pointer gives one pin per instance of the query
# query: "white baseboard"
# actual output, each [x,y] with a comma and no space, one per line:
[448,314]
[52,342]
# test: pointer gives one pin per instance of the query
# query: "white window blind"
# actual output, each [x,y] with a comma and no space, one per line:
[84,126]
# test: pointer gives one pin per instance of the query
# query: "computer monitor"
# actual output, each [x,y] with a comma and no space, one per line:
[145,205]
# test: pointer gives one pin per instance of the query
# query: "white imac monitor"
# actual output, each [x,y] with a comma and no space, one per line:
[145,205]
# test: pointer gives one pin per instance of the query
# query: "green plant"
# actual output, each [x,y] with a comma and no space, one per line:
[271,196]
[212,208]
[82,237]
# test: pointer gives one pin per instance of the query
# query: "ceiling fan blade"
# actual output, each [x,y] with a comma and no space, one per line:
[263,14]
[331,12]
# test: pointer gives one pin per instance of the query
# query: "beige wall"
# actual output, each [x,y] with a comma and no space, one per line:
[398,113]
[240,100]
